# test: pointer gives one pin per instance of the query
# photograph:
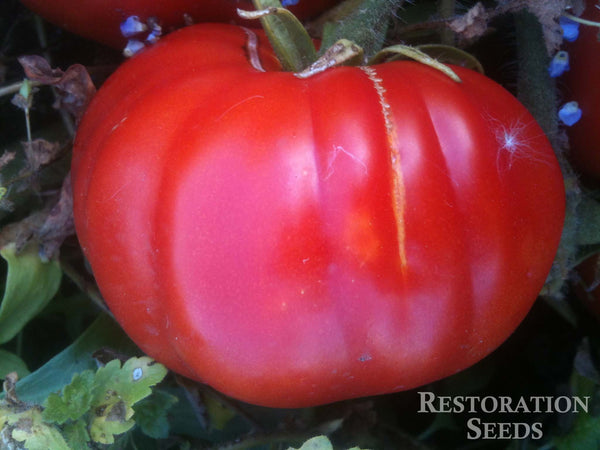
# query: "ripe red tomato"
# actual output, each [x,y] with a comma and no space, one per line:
[296,242]
[100,19]
[582,85]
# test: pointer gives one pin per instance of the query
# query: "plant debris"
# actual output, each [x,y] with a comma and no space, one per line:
[75,87]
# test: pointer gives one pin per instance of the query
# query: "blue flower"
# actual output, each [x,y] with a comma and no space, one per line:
[570,29]
[155,33]
[286,3]
[133,46]
[559,64]
[569,113]
[132,26]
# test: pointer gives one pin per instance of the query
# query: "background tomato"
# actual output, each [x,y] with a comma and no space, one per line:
[100,19]
[582,86]
[295,242]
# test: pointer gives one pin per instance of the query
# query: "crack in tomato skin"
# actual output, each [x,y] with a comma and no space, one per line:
[398,186]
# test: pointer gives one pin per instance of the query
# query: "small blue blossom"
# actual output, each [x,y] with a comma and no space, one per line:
[286,3]
[570,29]
[133,46]
[132,26]
[155,33]
[569,113]
[153,37]
[559,64]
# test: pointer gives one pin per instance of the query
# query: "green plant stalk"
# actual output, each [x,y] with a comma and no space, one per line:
[447,10]
[366,26]
[582,21]
[538,92]
[289,39]
[12,89]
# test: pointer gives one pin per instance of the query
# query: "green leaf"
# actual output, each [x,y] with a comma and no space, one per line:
[116,390]
[27,426]
[132,381]
[74,402]
[30,285]
[319,443]
[316,443]
[585,434]
[59,371]
[9,362]
[76,434]
[109,422]
[151,414]
[218,413]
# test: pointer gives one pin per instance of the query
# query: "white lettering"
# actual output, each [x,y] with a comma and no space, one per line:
[486,408]
[566,401]
[582,402]
[536,430]
[426,400]
[473,425]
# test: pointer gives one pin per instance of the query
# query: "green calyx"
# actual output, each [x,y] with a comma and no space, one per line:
[289,39]
[297,53]
[396,51]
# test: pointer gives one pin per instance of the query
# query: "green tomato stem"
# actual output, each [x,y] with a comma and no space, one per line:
[582,21]
[537,91]
[289,39]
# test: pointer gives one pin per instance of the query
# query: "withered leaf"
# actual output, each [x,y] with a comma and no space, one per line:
[58,224]
[548,13]
[38,69]
[471,25]
[9,385]
[75,86]
[22,232]
[40,152]
[6,158]
[49,227]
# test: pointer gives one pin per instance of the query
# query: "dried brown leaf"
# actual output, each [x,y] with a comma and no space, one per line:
[548,13]
[75,86]
[471,25]
[38,69]
[21,102]
[48,227]
[40,152]
[22,232]
[9,387]
[6,158]
[577,6]
[59,223]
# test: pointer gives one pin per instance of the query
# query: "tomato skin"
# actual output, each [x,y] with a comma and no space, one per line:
[100,19]
[297,242]
[582,86]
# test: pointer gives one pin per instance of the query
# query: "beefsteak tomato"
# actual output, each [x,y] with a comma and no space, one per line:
[100,19]
[294,242]
[583,86]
